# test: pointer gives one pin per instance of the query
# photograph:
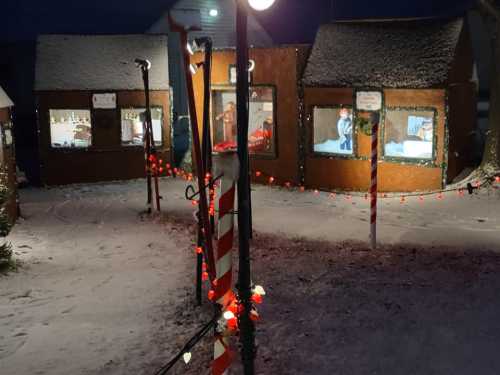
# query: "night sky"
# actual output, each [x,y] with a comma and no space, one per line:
[288,21]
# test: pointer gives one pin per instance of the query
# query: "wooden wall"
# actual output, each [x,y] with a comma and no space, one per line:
[279,67]
[462,99]
[8,160]
[331,172]
[106,159]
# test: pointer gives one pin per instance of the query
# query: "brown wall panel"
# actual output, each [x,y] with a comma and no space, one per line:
[462,122]
[106,159]
[278,67]
[354,174]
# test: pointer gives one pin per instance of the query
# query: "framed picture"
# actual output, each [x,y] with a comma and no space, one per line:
[262,120]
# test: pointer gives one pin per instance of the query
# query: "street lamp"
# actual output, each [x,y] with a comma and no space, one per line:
[261,4]
[247,328]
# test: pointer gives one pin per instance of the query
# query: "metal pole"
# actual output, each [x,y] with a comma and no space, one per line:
[145,76]
[373,186]
[204,216]
[207,139]
[247,329]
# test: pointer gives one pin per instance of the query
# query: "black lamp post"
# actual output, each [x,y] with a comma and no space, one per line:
[247,328]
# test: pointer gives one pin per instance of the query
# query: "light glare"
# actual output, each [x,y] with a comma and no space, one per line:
[261,4]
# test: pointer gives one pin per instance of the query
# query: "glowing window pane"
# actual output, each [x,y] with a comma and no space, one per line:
[132,126]
[70,128]
[333,130]
[409,134]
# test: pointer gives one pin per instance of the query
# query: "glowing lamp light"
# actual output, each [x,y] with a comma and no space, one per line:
[187,357]
[256,298]
[232,324]
[251,65]
[211,295]
[228,315]
[258,289]
[204,276]
[258,173]
[193,69]
[199,250]
[261,5]
[271,180]
[213,12]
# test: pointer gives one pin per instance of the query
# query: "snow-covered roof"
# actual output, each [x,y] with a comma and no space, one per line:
[398,54]
[100,62]
[5,101]
[220,28]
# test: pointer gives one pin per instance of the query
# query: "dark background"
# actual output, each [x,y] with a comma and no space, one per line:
[288,20]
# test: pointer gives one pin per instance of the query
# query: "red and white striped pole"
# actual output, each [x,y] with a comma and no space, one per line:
[373,185]
[227,165]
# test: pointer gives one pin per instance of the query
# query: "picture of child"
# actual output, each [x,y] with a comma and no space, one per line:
[344,127]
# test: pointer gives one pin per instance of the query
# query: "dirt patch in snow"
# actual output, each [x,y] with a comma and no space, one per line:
[343,309]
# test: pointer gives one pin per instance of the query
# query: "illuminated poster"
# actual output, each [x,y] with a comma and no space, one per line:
[333,130]
[261,120]
[409,134]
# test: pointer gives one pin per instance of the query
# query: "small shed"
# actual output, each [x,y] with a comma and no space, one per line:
[274,107]
[8,183]
[421,70]
[90,100]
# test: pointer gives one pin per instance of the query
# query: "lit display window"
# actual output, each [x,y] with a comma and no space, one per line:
[261,126]
[333,130]
[409,134]
[70,128]
[132,125]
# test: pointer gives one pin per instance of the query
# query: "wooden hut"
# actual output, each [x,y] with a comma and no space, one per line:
[8,183]
[274,108]
[90,104]
[420,72]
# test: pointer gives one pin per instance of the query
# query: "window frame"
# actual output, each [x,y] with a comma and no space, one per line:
[131,146]
[335,155]
[221,88]
[409,160]
[66,149]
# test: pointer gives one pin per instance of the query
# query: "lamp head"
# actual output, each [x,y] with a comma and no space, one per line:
[261,5]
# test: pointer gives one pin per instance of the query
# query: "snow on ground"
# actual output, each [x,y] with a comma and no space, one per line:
[105,290]
[95,285]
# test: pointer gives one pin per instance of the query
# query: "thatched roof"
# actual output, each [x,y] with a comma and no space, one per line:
[393,53]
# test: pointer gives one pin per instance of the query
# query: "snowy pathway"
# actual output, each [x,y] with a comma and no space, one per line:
[472,221]
[95,282]
[102,290]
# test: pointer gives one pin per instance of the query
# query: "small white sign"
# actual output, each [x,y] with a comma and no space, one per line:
[368,100]
[104,101]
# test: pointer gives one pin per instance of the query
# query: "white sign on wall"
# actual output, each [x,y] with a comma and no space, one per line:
[104,101]
[368,100]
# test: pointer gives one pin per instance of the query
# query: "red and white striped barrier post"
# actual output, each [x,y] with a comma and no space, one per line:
[373,184]
[227,165]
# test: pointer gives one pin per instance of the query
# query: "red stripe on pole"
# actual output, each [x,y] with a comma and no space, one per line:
[223,285]
[226,203]
[225,243]
[222,363]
